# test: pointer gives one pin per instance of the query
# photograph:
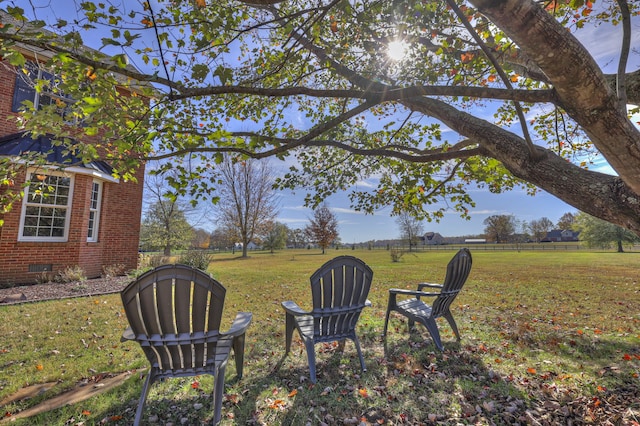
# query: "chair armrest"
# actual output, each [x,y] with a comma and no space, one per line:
[412,292]
[239,325]
[430,285]
[128,335]
[292,308]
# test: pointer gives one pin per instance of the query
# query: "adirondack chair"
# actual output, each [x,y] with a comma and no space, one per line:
[416,310]
[174,312]
[339,291]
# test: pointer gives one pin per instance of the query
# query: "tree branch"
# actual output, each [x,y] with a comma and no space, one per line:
[427,156]
[505,79]
[621,87]
[160,49]
[378,94]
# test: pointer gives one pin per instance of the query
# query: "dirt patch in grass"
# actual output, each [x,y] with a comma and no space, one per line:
[50,291]
[84,390]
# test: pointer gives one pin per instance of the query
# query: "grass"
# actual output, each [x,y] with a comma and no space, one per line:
[546,337]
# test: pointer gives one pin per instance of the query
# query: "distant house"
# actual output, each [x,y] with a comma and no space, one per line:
[558,235]
[433,239]
[73,214]
[475,241]
[250,246]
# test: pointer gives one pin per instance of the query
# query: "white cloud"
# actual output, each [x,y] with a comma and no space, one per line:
[292,221]
[344,210]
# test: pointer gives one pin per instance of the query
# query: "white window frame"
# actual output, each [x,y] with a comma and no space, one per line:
[32,174]
[95,208]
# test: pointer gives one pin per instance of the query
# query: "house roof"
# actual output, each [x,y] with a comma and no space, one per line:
[17,144]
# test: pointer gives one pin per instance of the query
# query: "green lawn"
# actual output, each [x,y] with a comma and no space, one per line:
[548,337]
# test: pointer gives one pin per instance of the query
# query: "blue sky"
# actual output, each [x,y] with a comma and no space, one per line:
[358,227]
[603,42]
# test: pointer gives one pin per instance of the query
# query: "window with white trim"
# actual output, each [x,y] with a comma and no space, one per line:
[94,211]
[46,207]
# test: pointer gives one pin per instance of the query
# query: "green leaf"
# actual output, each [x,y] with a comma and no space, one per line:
[121,60]
[224,74]
[91,104]
[15,58]
[110,42]
[199,71]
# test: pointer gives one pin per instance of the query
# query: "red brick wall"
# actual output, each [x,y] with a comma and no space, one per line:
[8,123]
[118,232]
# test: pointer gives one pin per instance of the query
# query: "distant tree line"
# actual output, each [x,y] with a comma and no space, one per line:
[246,211]
[593,231]
[244,214]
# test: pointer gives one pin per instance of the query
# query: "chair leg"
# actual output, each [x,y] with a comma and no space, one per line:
[390,306]
[431,325]
[218,392]
[311,358]
[143,397]
[238,354]
[386,323]
[356,342]
[410,324]
[290,325]
[453,325]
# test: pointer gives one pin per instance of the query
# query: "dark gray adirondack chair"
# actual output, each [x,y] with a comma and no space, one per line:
[416,310]
[174,312]
[339,290]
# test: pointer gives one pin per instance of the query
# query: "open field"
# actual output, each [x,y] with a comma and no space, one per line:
[547,338]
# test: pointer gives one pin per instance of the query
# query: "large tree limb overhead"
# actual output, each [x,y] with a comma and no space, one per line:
[511,149]
[584,92]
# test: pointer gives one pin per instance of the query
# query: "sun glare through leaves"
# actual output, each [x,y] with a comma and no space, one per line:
[397,50]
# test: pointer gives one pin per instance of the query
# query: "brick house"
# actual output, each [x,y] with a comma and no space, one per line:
[89,219]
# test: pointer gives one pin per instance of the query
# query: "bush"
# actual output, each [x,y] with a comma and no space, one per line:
[396,254]
[110,271]
[152,261]
[45,277]
[71,274]
[199,259]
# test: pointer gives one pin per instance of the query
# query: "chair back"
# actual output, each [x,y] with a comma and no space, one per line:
[457,272]
[170,305]
[339,290]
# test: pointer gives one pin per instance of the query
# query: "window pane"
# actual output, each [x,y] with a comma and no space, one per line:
[45,99]
[91,224]
[94,195]
[29,231]
[45,214]
[23,92]
[94,211]
[61,200]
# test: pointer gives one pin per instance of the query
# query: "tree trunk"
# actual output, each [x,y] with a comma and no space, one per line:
[167,250]
[620,248]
